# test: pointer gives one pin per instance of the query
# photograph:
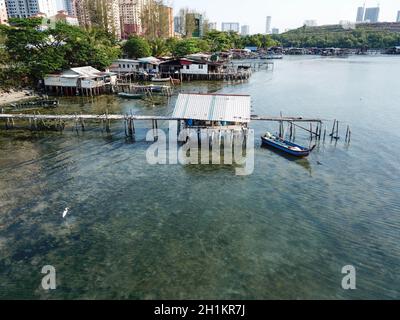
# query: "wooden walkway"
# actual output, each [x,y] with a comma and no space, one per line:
[116,117]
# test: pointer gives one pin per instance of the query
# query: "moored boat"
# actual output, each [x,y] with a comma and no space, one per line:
[131,95]
[286,146]
[161,79]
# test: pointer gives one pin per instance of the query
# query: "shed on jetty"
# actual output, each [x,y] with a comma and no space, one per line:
[83,80]
[214,111]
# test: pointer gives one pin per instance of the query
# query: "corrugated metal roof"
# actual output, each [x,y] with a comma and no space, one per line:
[213,107]
[85,71]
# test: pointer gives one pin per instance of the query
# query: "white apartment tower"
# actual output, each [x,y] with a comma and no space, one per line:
[245,30]
[268,25]
[130,15]
[230,27]
[29,8]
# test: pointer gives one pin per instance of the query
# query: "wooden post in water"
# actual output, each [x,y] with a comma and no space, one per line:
[333,128]
[337,131]
[311,131]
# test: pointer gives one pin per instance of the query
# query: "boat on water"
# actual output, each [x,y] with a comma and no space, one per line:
[170,79]
[155,79]
[131,95]
[286,146]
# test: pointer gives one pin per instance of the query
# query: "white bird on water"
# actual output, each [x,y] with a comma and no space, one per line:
[65,212]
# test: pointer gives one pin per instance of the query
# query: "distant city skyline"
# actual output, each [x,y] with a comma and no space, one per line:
[287,14]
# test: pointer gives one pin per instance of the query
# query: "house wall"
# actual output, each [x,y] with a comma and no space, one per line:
[195,69]
[60,81]
[125,67]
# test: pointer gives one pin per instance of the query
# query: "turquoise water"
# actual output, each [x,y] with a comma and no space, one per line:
[136,231]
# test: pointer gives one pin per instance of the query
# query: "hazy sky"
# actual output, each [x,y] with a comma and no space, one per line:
[286,13]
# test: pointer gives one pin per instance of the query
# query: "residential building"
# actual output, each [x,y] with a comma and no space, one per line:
[122,66]
[230,26]
[360,14]
[179,26]
[70,7]
[398,16]
[83,13]
[372,15]
[275,31]
[245,30]
[29,8]
[102,13]
[198,24]
[268,25]
[3,12]
[64,16]
[130,14]
[112,17]
[170,15]
[83,80]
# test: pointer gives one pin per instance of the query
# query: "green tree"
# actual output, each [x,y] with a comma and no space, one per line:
[137,47]
[190,46]
[37,53]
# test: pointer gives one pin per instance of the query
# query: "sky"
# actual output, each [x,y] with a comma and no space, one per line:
[286,14]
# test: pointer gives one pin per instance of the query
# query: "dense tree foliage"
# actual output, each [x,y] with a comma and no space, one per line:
[337,36]
[28,52]
[31,53]
[137,47]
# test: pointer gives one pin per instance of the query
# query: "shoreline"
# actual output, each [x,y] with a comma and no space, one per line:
[7,98]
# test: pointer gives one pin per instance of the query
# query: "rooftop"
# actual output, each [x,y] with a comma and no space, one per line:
[213,107]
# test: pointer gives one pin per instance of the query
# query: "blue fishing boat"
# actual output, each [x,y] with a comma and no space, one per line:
[286,146]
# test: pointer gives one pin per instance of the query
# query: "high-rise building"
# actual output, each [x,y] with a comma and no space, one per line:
[3,12]
[398,16]
[130,14]
[198,24]
[371,15]
[268,25]
[29,8]
[70,7]
[83,13]
[360,14]
[245,30]
[230,26]
[275,31]
[102,13]
[170,17]
[179,25]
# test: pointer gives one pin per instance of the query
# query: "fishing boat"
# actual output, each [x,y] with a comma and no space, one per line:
[160,79]
[286,146]
[131,95]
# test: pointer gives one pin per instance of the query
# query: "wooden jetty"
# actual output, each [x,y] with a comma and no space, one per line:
[58,121]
